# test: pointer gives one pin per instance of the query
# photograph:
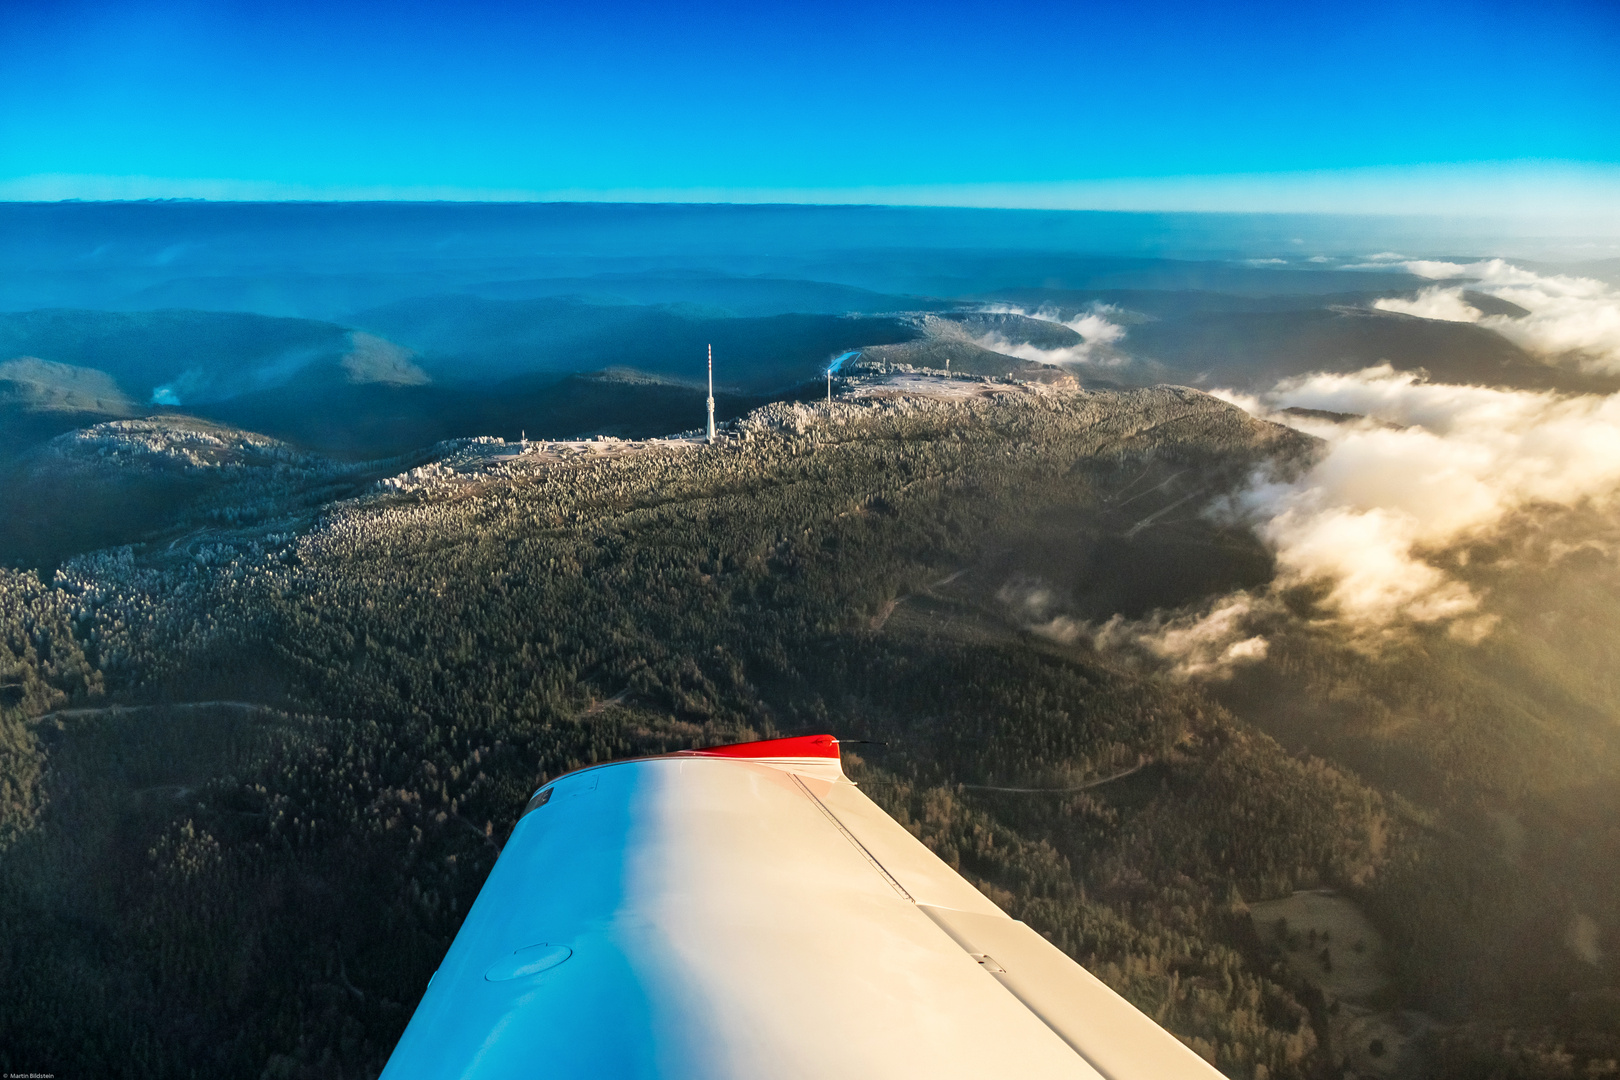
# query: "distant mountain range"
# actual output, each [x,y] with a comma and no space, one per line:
[412,372]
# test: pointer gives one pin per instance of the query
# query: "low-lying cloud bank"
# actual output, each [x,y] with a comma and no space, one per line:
[1574,320]
[1208,641]
[1411,478]
[1380,519]
[1412,475]
[1099,334]
[1193,644]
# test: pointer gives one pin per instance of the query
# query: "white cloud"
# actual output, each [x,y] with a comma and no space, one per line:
[1571,319]
[1433,303]
[1199,644]
[1206,643]
[1435,269]
[1583,938]
[1097,331]
[1249,403]
[1432,468]
[1380,523]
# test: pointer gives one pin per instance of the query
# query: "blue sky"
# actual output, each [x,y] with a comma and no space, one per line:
[1013,103]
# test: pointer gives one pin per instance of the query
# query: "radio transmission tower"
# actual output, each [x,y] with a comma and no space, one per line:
[711,393]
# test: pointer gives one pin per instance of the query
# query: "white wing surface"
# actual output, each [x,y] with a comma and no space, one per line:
[748,913]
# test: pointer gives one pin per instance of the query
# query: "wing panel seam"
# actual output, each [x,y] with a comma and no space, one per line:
[840,826]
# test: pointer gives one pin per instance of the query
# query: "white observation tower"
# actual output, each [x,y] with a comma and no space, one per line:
[711,393]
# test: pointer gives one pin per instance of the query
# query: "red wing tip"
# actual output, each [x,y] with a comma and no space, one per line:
[799,746]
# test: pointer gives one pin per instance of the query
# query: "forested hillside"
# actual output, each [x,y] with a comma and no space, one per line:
[250,787]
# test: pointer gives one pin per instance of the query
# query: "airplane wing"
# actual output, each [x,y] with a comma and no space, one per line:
[746,912]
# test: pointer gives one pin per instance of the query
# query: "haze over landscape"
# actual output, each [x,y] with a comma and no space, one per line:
[1205,503]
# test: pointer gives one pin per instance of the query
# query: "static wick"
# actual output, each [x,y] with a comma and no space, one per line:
[711,393]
